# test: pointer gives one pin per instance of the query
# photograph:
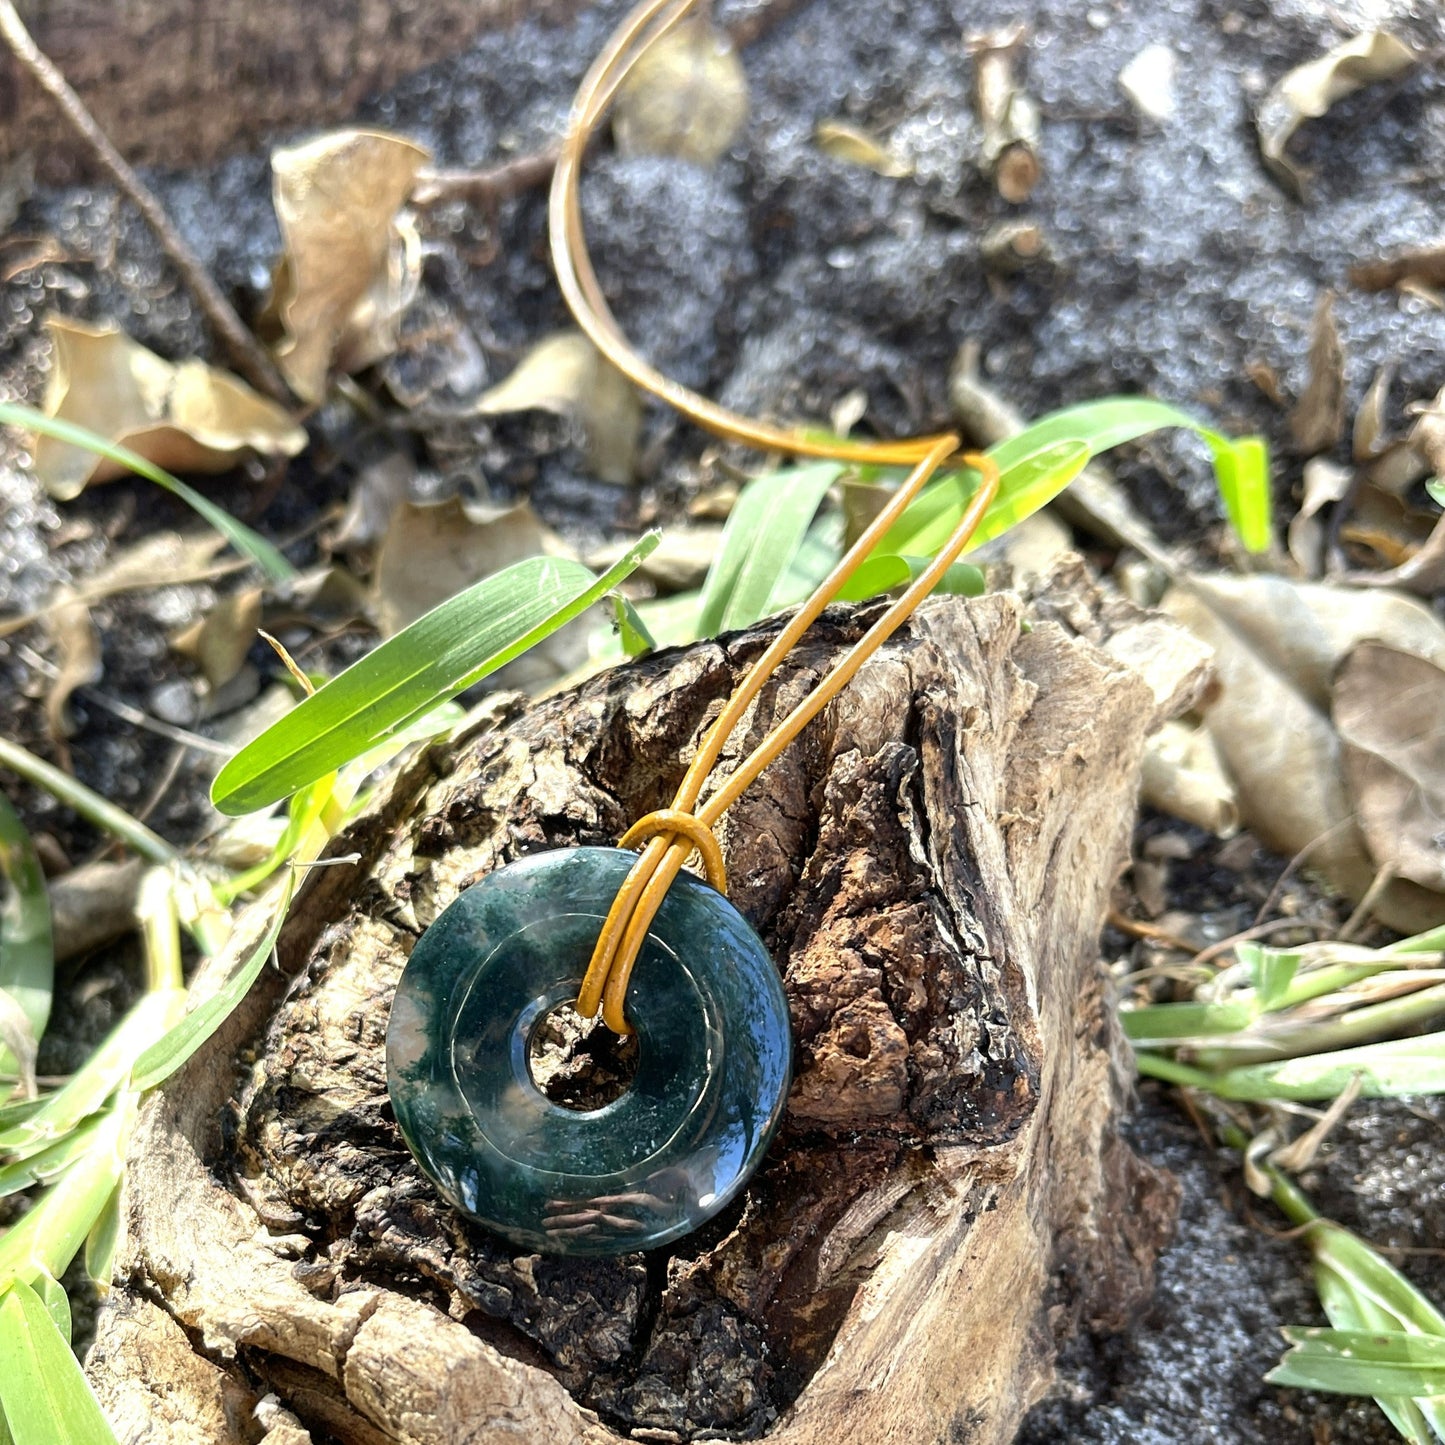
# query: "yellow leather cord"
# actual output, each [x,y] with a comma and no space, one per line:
[671,834]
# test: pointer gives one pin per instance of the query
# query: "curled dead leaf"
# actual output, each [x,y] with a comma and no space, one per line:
[351,259]
[1309,90]
[1275,648]
[566,375]
[432,551]
[186,417]
[1421,265]
[687,96]
[219,641]
[78,648]
[850,143]
[1317,420]
[1325,482]
[1183,775]
[1389,709]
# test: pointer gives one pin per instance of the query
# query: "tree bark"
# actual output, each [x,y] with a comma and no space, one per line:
[929,866]
[180,82]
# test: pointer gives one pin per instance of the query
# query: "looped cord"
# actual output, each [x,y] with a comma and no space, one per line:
[671,834]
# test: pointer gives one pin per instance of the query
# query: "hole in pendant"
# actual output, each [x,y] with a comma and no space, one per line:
[580,1063]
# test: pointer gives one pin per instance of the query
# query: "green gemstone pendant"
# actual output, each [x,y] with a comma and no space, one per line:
[713,1060]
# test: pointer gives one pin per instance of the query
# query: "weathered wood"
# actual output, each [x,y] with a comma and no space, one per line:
[179,82]
[929,865]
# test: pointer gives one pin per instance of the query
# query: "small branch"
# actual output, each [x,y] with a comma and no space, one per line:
[486,187]
[246,352]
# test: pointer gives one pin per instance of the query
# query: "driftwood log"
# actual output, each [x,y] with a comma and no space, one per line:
[949,1196]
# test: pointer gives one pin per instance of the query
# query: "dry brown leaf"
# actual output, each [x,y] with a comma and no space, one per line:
[850,143]
[1303,629]
[1278,745]
[1368,438]
[1325,482]
[1422,265]
[78,645]
[1184,776]
[1389,709]
[219,641]
[186,417]
[687,96]
[1317,420]
[1310,90]
[325,599]
[1427,436]
[566,375]
[1423,574]
[160,560]
[351,260]
[431,552]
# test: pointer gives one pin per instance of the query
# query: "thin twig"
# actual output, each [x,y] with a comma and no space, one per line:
[487,187]
[1296,863]
[245,351]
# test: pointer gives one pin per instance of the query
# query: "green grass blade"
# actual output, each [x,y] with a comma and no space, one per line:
[438,656]
[49,1163]
[27,959]
[47,1238]
[104,1072]
[241,537]
[57,1303]
[1399,1066]
[761,539]
[1365,1366]
[174,1047]
[1030,477]
[1042,459]
[1170,1022]
[103,1241]
[883,574]
[42,1390]
[636,639]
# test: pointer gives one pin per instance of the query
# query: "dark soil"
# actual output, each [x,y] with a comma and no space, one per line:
[779,281]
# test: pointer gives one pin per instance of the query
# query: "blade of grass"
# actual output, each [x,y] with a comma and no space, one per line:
[883,574]
[49,1163]
[42,1390]
[241,537]
[103,1240]
[763,535]
[438,656]
[46,1239]
[636,639]
[1362,1362]
[1030,477]
[162,1058]
[105,1070]
[27,958]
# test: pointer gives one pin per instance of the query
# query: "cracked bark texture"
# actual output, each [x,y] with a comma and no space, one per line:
[929,866]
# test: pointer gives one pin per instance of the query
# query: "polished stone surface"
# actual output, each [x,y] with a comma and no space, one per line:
[714,1057]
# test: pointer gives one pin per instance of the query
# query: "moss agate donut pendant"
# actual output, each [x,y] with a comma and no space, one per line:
[713,1059]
